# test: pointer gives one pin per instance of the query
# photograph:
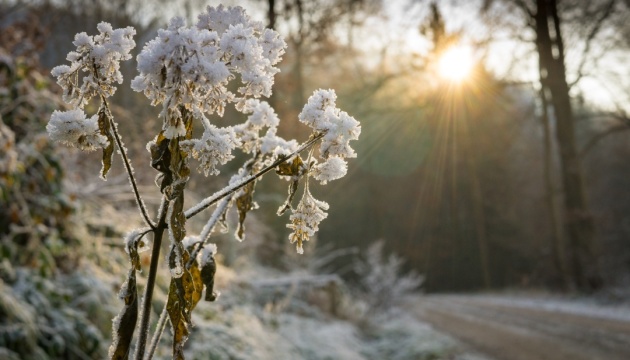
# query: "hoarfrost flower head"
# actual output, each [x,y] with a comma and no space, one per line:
[341,129]
[277,146]
[220,18]
[332,169]
[73,128]
[305,219]
[213,149]
[99,56]
[261,115]
[322,115]
[191,66]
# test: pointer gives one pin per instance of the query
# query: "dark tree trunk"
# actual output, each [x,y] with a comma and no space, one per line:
[578,220]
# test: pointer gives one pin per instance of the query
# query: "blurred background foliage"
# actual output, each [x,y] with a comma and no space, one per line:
[463,177]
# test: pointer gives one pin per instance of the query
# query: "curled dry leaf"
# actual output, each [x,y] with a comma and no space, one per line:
[184,294]
[244,203]
[125,322]
[294,169]
[104,127]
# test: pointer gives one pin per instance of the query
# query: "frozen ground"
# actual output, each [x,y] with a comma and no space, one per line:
[511,327]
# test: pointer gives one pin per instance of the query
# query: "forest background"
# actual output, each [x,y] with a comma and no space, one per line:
[505,167]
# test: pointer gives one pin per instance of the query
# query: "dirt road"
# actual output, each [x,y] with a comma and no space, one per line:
[515,331]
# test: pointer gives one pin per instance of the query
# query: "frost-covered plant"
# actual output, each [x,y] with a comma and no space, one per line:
[188,70]
[383,281]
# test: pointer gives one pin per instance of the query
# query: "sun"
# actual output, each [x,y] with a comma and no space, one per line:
[456,63]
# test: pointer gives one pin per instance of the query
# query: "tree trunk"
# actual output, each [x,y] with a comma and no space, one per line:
[578,220]
[557,246]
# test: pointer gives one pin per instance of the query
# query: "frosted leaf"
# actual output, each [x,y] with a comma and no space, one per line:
[305,219]
[131,238]
[331,169]
[73,128]
[213,149]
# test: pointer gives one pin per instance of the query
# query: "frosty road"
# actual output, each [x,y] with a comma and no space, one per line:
[522,330]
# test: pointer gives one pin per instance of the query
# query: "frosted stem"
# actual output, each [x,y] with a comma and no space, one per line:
[207,229]
[123,154]
[211,200]
[158,333]
[145,314]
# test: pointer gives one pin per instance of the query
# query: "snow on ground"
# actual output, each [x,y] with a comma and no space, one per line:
[587,306]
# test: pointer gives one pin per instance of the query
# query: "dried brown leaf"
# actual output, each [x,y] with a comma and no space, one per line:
[125,321]
[104,127]
[184,294]
[244,203]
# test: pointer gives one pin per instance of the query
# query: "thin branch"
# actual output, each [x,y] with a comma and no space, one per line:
[207,202]
[607,11]
[597,138]
[521,4]
[157,335]
[145,315]
[123,154]
[207,229]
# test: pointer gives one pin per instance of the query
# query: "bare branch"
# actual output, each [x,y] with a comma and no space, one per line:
[604,14]
[625,125]
[209,201]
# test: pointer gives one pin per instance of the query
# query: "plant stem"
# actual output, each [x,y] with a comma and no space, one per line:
[145,314]
[211,200]
[159,329]
[123,154]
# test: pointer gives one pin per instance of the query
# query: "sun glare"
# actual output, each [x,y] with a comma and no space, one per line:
[455,63]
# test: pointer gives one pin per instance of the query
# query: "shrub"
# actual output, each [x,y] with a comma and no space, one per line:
[188,70]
